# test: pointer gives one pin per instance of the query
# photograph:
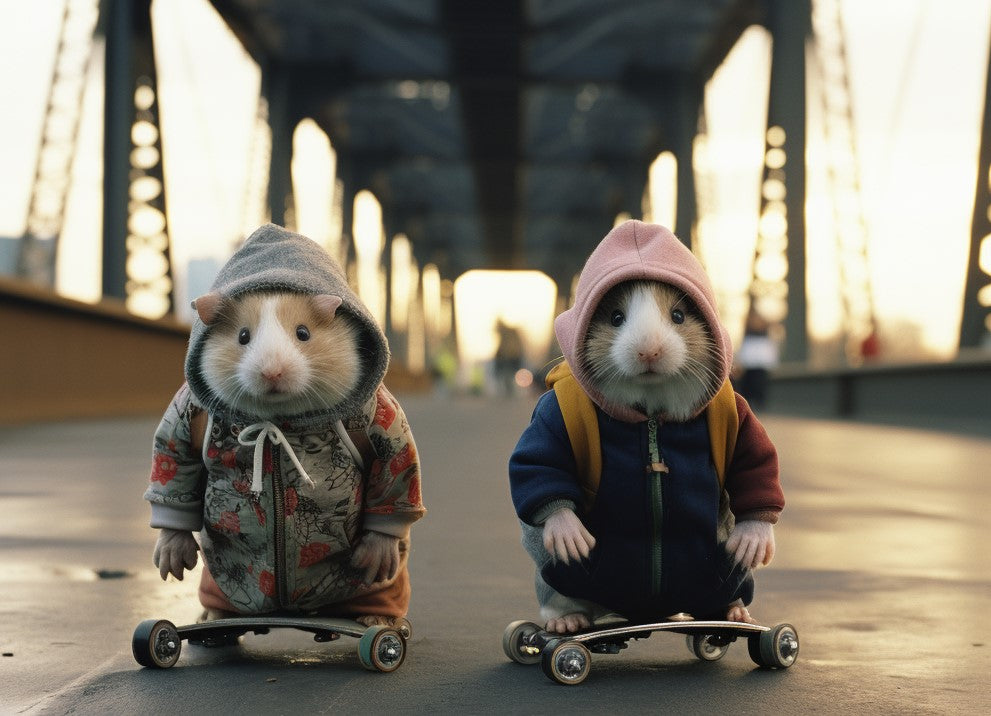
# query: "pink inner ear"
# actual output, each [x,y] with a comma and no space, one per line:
[326,305]
[207,307]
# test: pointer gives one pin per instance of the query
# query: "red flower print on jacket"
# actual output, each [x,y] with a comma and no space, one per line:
[403,459]
[228,458]
[163,468]
[229,522]
[313,553]
[266,583]
[414,490]
[292,500]
[385,411]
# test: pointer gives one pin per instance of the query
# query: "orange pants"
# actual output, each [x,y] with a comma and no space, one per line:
[390,601]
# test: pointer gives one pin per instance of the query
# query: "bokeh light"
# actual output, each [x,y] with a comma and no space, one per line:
[523,300]
[369,241]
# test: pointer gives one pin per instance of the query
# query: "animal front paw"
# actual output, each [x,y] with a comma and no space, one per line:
[568,624]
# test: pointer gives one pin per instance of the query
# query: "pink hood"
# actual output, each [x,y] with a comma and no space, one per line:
[631,251]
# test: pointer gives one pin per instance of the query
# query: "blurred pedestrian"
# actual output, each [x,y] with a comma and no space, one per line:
[508,358]
[757,357]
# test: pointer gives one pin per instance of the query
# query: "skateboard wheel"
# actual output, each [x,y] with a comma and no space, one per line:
[516,642]
[703,647]
[774,649]
[156,644]
[566,662]
[381,648]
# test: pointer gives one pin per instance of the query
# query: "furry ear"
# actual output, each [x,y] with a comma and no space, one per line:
[326,305]
[207,307]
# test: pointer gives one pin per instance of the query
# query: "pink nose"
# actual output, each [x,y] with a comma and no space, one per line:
[648,355]
[272,374]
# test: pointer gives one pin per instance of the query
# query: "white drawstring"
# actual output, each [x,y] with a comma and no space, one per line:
[349,444]
[263,431]
[206,437]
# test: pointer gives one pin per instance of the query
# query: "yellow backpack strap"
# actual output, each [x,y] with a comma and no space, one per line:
[583,429]
[724,423]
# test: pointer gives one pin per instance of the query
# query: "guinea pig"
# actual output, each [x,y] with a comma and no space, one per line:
[674,506]
[284,450]
[648,347]
[271,354]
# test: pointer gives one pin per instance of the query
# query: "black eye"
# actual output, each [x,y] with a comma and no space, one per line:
[303,333]
[617,318]
[678,316]
[244,336]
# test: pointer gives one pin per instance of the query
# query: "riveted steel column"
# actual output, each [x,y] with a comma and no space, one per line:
[136,247]
[276,88]
[975,325]
[118,23]
[684,127]
[677,104]
[789,22]
[349,189]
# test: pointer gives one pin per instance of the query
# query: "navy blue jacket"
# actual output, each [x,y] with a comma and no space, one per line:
[657,551]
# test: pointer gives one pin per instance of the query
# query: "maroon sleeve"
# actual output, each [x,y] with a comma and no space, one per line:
[752,480]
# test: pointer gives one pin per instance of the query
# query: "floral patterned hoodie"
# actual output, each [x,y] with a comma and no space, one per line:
[280,504]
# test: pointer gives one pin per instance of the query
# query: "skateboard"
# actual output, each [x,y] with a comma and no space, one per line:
[157,642]
[567,658]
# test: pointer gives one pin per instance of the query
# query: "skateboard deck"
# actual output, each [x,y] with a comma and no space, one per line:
[566,658]
[157,643]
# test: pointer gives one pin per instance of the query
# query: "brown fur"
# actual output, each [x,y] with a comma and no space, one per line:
[318,373]
[684,377]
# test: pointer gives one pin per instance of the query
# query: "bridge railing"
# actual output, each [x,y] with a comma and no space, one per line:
[951,393]
[61,358]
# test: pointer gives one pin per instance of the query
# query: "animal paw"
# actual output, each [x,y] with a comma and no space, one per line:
[376,620]
[739,613]
[566,538]
[568,624]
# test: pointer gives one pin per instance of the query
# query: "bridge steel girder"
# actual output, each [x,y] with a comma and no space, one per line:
[975,323]
[117,21]
[684,126]
[130,63]
[487,69]
[277,89]
[790,25]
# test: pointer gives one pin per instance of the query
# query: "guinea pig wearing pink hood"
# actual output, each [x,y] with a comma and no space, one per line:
[671,526]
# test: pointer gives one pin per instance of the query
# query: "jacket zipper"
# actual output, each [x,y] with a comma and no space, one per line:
[656,471]
[278,523]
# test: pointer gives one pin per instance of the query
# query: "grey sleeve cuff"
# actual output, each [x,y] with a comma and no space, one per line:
[176,519]
[396,524]
[540,515]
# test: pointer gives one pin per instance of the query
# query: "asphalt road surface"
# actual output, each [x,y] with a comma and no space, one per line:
[882,566]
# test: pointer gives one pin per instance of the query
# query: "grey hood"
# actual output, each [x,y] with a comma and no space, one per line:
[274,259]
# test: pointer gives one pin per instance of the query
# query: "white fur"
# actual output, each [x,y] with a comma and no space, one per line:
[275,373]
[659,383]
[272,352]
[559,605]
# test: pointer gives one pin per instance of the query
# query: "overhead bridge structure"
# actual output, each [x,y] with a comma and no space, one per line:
[497,135]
